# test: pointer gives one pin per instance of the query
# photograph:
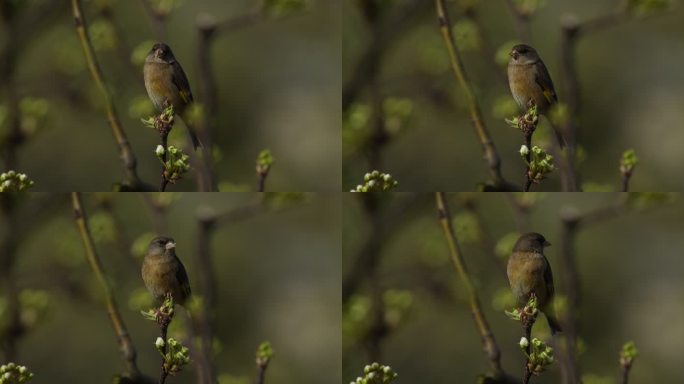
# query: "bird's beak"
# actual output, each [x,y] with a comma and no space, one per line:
[170,245]
[547,244]
[513,54]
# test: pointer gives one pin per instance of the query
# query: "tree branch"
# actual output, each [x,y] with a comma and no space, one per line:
[124,339]
[490,153]
[488,341]
[125,150]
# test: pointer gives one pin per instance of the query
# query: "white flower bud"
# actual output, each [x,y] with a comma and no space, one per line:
[159,151]
[524,151]
[524,343]
[159,343]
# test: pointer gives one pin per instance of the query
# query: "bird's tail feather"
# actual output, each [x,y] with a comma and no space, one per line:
[195,140]
[553,324]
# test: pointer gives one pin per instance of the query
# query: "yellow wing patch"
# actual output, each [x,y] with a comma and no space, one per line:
[185,95]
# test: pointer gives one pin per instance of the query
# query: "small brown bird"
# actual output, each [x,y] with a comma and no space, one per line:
[164,273]
[529,272]
[166,80]
[530,81]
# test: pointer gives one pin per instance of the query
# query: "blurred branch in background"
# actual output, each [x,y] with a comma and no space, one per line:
[384,115]
[133,181]
[124,339]
[382,36]
[490,153]
[208,30]
[572,223]
[521,18]
[381,309]
[488,342]
[208,222]
[16,39]
[13,329]
[157,16]
[571,32]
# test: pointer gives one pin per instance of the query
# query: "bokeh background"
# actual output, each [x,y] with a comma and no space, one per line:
[277,273]
[629,268]
[277,81]
[629,75]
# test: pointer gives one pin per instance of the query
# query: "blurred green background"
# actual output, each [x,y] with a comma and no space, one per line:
[277,273]
[277,81]
[630,79]
[629,270]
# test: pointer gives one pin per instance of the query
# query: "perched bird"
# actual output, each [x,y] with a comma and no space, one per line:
[165,80]
[529,80]
[164,273]
[529,272]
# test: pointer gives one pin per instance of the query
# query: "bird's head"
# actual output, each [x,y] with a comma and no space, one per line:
[531,242]
[160,245]
[523,54]
[160,53]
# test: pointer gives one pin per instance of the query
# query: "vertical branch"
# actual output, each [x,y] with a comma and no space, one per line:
[10,242]
[124,339]
[157,212]
[164,136]
[206,224]
[571,289]
[208,91]
[572,223]
[8,61]
[490,153]
[157,20]
[522,22]
[528,157]
[125,150]
[488,341]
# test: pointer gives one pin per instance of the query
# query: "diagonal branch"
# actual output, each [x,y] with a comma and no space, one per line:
[488,341]
[124,339]
[128,159]
[490,153]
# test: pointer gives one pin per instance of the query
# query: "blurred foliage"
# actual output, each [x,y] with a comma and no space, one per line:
[376,181]
[376,374]
[12,181]
[11,373]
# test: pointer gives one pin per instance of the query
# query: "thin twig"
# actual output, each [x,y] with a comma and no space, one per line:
[124,339]
[125,149]
[488,341]
[490,153]
[164,136]
[528,157]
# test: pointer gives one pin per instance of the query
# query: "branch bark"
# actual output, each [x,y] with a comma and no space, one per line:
[124,339]
[125,150]
[488,341]
[490,153]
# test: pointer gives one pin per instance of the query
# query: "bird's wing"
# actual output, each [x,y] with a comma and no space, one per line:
[543,78]
[182,83]
[182,277]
